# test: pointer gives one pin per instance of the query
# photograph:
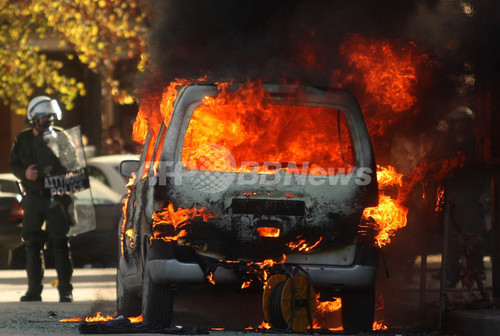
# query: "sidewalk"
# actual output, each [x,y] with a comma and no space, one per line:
[13,284]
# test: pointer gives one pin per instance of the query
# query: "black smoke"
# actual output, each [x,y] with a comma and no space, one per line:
[270,40]
[298,40]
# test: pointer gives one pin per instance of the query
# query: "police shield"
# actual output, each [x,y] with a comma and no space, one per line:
[70,189]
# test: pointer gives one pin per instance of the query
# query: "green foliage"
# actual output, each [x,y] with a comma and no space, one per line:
[98,32]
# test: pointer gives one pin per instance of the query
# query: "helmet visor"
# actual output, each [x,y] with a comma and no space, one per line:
[55,109]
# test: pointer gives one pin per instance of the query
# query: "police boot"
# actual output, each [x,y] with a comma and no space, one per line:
[34,269]
[64,269]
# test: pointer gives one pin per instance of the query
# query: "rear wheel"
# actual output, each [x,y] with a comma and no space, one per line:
[358,308]
[128,304]
[157,301]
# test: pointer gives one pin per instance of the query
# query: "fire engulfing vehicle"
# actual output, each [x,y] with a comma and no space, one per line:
[253,182]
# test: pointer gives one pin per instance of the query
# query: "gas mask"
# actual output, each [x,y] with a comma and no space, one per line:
[49,134]
[44,126]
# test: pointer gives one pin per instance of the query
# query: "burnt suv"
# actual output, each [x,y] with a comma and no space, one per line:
[245,183]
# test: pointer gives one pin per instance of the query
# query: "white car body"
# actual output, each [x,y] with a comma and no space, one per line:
[106,169]
[222,246]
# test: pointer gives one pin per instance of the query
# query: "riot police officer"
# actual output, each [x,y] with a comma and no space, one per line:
[31,161]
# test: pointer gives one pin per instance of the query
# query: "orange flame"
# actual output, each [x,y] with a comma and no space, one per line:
[390,214]
[303,245]
[261,269]
[100,318]
[155,109]
[388,177]
[439,199]
[136,319]
[73,319]
[271,232]
[389,217]
[389,71]
[246,284]
[124,223]
[264,325]
[176,219]
[124,211]
[379,325]
[210,278]
[323,314]
[130,234]
[329,306]
[226,131]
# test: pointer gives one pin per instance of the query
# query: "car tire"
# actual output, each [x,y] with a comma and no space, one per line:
[5,257]
[127,304]
[358,309]
[157,301]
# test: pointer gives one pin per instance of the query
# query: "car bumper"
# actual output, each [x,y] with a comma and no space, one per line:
[174,271]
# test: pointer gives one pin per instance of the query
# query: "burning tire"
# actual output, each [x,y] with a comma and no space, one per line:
[358,308]
[157,301]
[127,303]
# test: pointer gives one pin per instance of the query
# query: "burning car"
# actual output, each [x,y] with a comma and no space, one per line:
[253,182]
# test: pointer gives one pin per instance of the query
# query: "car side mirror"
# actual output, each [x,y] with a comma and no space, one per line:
[127,167]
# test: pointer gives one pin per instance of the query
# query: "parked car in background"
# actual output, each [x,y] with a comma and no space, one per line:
[9,183]
[97,247]
[11,216]
[106,168]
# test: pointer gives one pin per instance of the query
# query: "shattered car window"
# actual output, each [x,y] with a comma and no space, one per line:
[268,137]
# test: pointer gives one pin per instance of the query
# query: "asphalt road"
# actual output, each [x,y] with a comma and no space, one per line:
[94,291]
[196,307]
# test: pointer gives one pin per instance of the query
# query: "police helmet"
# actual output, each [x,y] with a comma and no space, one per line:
[41,106]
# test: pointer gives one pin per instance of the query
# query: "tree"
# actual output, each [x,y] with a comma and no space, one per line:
[98,32]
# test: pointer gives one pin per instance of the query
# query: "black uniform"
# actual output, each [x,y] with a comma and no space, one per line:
[38,209]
